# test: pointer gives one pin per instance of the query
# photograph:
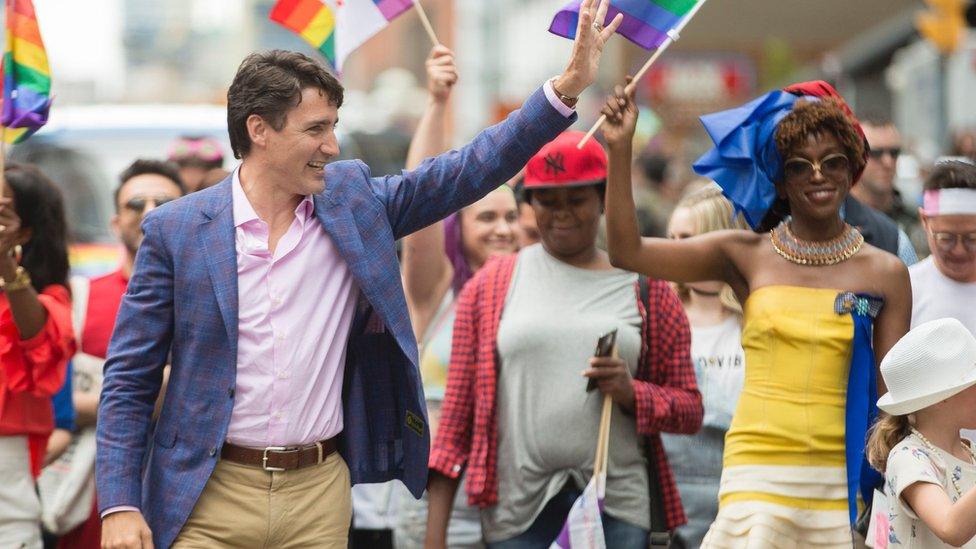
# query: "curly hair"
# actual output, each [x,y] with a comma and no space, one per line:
[826,116]
[816,118]
[39,205]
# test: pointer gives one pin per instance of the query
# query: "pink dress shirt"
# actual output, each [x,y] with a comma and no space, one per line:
[295,310]
[291,351]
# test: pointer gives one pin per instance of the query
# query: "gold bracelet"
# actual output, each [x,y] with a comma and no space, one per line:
[21,281]
[566,99]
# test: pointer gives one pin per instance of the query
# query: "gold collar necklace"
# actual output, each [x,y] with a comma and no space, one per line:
[806,252]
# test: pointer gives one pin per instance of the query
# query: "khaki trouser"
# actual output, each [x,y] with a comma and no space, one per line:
[244,506]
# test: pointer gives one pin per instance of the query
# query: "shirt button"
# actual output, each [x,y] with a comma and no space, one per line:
[281,337]
[282,374]
[456,469]
[277,415]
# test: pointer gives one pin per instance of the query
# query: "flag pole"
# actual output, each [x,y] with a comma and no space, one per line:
[673,36]
[426,23]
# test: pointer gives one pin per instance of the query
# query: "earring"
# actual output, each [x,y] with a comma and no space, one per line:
[17,252]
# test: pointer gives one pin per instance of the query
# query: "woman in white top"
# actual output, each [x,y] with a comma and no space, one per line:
[716,351]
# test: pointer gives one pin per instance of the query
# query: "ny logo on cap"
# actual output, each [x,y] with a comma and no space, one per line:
[555,163]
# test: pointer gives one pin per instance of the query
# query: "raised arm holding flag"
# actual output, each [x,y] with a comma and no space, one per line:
[651,24]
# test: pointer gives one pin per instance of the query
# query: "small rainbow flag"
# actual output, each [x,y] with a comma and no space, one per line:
[26,74]
[646,22]
[337,27]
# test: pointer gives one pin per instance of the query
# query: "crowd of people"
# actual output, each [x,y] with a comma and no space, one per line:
[296,354]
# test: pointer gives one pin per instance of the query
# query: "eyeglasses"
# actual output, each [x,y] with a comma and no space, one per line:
[879,152]
[946,242]
[139,203]
[833,166]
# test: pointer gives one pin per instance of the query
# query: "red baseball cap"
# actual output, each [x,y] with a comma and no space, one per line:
[560,164]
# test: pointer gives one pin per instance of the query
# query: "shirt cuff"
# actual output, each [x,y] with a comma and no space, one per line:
[118,509]
[555,101]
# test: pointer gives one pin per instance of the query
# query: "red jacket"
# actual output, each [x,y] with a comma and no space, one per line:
[666,393]
[33,370]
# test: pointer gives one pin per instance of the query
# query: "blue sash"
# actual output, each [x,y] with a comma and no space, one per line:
[862,395]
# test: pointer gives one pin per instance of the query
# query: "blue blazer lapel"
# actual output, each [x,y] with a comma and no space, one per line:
[340,224]
[216,238]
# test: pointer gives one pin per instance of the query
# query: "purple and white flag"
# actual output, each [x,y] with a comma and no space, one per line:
[584,525]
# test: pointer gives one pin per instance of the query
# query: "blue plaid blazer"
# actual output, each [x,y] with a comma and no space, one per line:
[181,305]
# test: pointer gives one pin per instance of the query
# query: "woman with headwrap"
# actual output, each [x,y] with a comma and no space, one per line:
[819,306]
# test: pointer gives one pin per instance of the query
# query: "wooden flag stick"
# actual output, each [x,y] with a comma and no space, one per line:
[426,23]
[673,36]
[602,457]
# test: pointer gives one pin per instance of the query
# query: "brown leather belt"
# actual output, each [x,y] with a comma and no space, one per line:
[279,458]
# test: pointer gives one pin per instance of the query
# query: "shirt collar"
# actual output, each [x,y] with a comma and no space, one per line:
[244,212]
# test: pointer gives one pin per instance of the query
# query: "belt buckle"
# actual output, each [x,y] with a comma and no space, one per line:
[264,457]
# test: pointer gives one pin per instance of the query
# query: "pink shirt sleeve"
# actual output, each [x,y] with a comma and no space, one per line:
[118,509]
[555,101]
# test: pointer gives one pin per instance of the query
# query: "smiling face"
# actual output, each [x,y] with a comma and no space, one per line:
[568,219]
[951,242]
[297,153]
[816,194]
[488,227]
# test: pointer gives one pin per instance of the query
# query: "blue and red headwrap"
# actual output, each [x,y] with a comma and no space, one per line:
[744,160]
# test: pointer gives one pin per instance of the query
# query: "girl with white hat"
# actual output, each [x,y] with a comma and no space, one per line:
[929,470]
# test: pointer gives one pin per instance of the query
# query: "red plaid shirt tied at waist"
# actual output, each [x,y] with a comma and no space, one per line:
[665,390]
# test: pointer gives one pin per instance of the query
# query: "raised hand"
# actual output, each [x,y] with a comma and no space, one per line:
[441,73]
[621,112]
[591,37]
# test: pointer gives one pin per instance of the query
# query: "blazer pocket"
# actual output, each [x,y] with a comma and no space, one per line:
[165,435]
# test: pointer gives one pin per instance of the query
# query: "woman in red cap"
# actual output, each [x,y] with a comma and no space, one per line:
[813,293]
[517,417]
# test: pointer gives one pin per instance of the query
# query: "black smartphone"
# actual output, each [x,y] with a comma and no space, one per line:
[604,347]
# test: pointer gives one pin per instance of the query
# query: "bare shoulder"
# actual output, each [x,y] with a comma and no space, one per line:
[740,240]
[883,262]
[743,247]
[887,269]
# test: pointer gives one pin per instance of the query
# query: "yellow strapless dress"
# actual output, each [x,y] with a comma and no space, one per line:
[784,481]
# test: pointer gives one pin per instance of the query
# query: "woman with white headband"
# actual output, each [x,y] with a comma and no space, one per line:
[944,284]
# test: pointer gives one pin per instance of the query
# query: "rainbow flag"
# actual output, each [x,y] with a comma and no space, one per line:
[646,22]
[337,27]
[26,74]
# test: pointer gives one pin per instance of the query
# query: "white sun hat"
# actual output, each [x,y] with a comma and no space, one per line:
[932,362]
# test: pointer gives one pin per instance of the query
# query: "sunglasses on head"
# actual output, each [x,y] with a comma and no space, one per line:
[879,152]
[139,203]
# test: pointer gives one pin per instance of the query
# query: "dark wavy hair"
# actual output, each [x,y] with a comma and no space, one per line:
[40,207]
[951,174]
[826,116]
[269,84]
